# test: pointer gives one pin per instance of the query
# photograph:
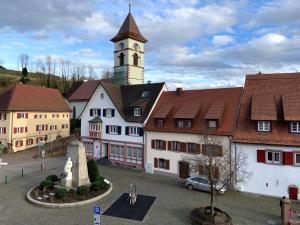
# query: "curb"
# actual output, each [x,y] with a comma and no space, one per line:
[66,205]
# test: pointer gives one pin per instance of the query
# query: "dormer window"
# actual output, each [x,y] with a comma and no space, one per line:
[212,123]
[145,94]
[264,126]
[183,124]
[137,111]
[159,123]
[295,127]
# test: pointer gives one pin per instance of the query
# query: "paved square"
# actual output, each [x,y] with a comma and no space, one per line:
[172,205]
[122,209]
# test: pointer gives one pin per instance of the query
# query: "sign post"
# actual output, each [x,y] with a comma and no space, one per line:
[97,212]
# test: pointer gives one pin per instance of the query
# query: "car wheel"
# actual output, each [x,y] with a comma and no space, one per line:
[190,187]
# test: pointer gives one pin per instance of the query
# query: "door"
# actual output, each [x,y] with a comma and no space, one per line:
[184,170]
[104,150]
[293,192]
[97,149]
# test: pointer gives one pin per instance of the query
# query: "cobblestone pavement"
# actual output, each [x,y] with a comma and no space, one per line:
[171,207]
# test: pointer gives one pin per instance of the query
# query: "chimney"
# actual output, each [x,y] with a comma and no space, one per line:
[178,91]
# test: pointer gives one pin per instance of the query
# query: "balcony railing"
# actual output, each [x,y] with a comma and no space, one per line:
[95,134]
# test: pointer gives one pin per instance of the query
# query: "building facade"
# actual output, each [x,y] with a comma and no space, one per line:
[112,124]
[30,114]
[183,123]
[267,132]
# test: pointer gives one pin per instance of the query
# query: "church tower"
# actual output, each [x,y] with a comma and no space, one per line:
[129,53]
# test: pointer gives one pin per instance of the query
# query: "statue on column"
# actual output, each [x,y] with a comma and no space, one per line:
[68,175]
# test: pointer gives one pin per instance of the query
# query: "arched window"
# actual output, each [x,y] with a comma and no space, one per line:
[121,57]
[74,112]
[135,59]
[136,47]
[121,46]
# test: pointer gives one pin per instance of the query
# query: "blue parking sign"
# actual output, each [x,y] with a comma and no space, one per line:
[97,212]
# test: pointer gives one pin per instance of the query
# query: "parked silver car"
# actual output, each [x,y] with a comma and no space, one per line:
[201,183]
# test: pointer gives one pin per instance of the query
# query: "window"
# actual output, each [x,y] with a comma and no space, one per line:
[19,143]
[95,112]
[29,141]
[159,144]
[176,146]
[135,59]
[2,116]
[113,129]
[159,123]
[21,115]
[137,112]
[121,46]
[183,123]
[145,94]
[212,124]
[2,130]
[297,159]
[192,148]
[134,131]
[121,58]
[102,95]
[295,127]
[108,112]
[136,47]
[273,157]
[264,126]
[212,149]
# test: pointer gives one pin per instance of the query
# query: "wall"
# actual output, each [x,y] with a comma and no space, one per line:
[278,177]
[79,107]
[175,157]
[5,123]
[31,122]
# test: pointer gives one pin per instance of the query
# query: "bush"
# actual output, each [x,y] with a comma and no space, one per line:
[98,185]
[61,193]
[76,130]
[53,178]
[82,190]
[46,184]
[93,170]
[99,178]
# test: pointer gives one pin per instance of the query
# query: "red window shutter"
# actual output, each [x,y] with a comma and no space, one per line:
[46,126]
[153,144]
[22,129]
[155,162]
[183,147]
[169,145]
[16,143]
[261,156]
[198,148]
[4,130]
[26,129]
[26,115]
[18,115]
[43,127]
[164,145]
[21,143]
[36,127]
[167,164]
[288,158]
[15,130]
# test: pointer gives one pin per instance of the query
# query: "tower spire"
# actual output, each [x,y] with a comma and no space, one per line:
[129,6]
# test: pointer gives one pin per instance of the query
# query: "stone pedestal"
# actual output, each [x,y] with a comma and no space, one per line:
[76,152]
[66,183]
[286,206]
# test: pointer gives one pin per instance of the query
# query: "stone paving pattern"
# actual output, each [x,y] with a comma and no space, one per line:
[172,205]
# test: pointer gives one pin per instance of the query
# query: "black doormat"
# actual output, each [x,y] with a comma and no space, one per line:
[122,209]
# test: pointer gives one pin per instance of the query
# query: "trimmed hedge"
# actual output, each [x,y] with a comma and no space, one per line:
[98,185]
[82,190]
[53,178]
[46,184]
[93,170]
[99,178]
[61,193]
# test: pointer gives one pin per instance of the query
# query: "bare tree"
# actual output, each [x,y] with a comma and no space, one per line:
[49,62]
[92,73]
[107,74]
[221,169]
[23,60]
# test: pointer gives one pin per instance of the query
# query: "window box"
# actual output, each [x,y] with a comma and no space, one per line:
[264,126]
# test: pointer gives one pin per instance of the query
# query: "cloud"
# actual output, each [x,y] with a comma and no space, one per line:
[220,40]
[84,52]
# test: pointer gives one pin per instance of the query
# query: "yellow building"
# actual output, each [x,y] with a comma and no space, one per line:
[30,114]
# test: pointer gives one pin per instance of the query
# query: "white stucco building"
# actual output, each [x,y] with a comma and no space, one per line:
[267,132]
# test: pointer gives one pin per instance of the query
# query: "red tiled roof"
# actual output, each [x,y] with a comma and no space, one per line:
[163,111]
[129,29]
[85,91]
[215,111]
[282,87]
[263,107]
[291,106]
[187,111]
[24,97]
[203,99]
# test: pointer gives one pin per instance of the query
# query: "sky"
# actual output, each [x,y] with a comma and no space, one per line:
[192,43]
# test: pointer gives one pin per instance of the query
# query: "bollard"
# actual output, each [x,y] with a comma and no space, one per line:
[6,179]
[22,173]
[42,167]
